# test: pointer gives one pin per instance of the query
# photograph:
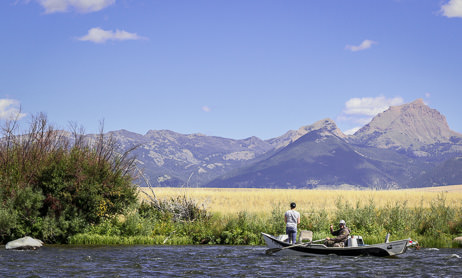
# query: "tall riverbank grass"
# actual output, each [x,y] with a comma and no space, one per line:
[434,222]
[260,201]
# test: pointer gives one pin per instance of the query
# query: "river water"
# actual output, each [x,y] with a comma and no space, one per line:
[218,261]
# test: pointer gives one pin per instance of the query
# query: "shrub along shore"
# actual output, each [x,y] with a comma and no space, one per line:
[67,188]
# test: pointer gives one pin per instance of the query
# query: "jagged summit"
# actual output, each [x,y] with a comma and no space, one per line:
[327,126]
[410,125]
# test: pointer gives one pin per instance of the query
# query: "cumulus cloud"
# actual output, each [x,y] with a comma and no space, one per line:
[98,35]
[81,6]
[368,106]
[360,111]
[10,109]
[363,46]
[453,8]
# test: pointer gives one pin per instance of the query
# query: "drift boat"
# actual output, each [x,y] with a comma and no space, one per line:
[354,247]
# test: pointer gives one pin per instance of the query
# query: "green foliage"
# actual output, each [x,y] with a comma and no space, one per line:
[435,221]
[108,227]
[359,217]
[275,223]
[455,224]
[395,217]
[52,188]
[91,239]
[432,227]
[200,232]
[79,183]
[245,229]
[134,225]
[316,221]
[8,222]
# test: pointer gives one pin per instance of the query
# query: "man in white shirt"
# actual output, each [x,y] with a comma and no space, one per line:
[292,219]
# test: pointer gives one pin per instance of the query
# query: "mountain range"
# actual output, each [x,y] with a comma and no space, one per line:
[410,145]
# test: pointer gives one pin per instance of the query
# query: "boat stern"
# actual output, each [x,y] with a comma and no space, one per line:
[397,247]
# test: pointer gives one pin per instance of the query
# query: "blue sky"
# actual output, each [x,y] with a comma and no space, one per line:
[233,69]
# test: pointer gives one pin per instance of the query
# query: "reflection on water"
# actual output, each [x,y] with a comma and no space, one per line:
[218,261]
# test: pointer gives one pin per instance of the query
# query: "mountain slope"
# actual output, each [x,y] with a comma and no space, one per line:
[172,159]
[320,157]
[447,172]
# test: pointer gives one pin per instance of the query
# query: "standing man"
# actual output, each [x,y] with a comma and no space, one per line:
[292,219]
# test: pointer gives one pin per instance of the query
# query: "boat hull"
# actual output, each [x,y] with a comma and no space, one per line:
[392,248]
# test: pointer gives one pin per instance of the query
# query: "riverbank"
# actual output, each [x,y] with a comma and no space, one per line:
[431,218]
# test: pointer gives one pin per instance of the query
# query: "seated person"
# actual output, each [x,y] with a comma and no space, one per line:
[341,236]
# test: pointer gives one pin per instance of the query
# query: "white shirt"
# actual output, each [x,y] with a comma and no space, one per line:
[292,217]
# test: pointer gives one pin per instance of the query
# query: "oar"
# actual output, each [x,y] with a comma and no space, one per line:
[274,250]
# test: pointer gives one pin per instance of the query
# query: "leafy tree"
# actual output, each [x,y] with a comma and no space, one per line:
[54,183]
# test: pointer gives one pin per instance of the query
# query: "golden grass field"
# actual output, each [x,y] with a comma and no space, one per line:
[262,201]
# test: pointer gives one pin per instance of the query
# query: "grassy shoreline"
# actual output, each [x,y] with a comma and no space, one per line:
[432,218]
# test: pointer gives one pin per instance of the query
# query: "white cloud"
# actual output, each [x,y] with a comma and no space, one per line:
[369,106]
[363,46]
[360,111]
[205,108]
[10,109]
[452,9]
[81,6]
[98,35]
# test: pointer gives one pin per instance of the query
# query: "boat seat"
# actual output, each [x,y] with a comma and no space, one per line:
[305,236]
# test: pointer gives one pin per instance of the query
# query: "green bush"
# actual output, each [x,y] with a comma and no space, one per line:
[8,222]
[316,221]
[135,225]
[435,222]
[396,218]
[53,186]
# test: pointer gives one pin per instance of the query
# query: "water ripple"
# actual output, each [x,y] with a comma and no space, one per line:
[218,261]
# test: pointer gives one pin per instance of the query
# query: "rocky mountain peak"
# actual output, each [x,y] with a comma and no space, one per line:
[162,133]
[326,126]
[409,125]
